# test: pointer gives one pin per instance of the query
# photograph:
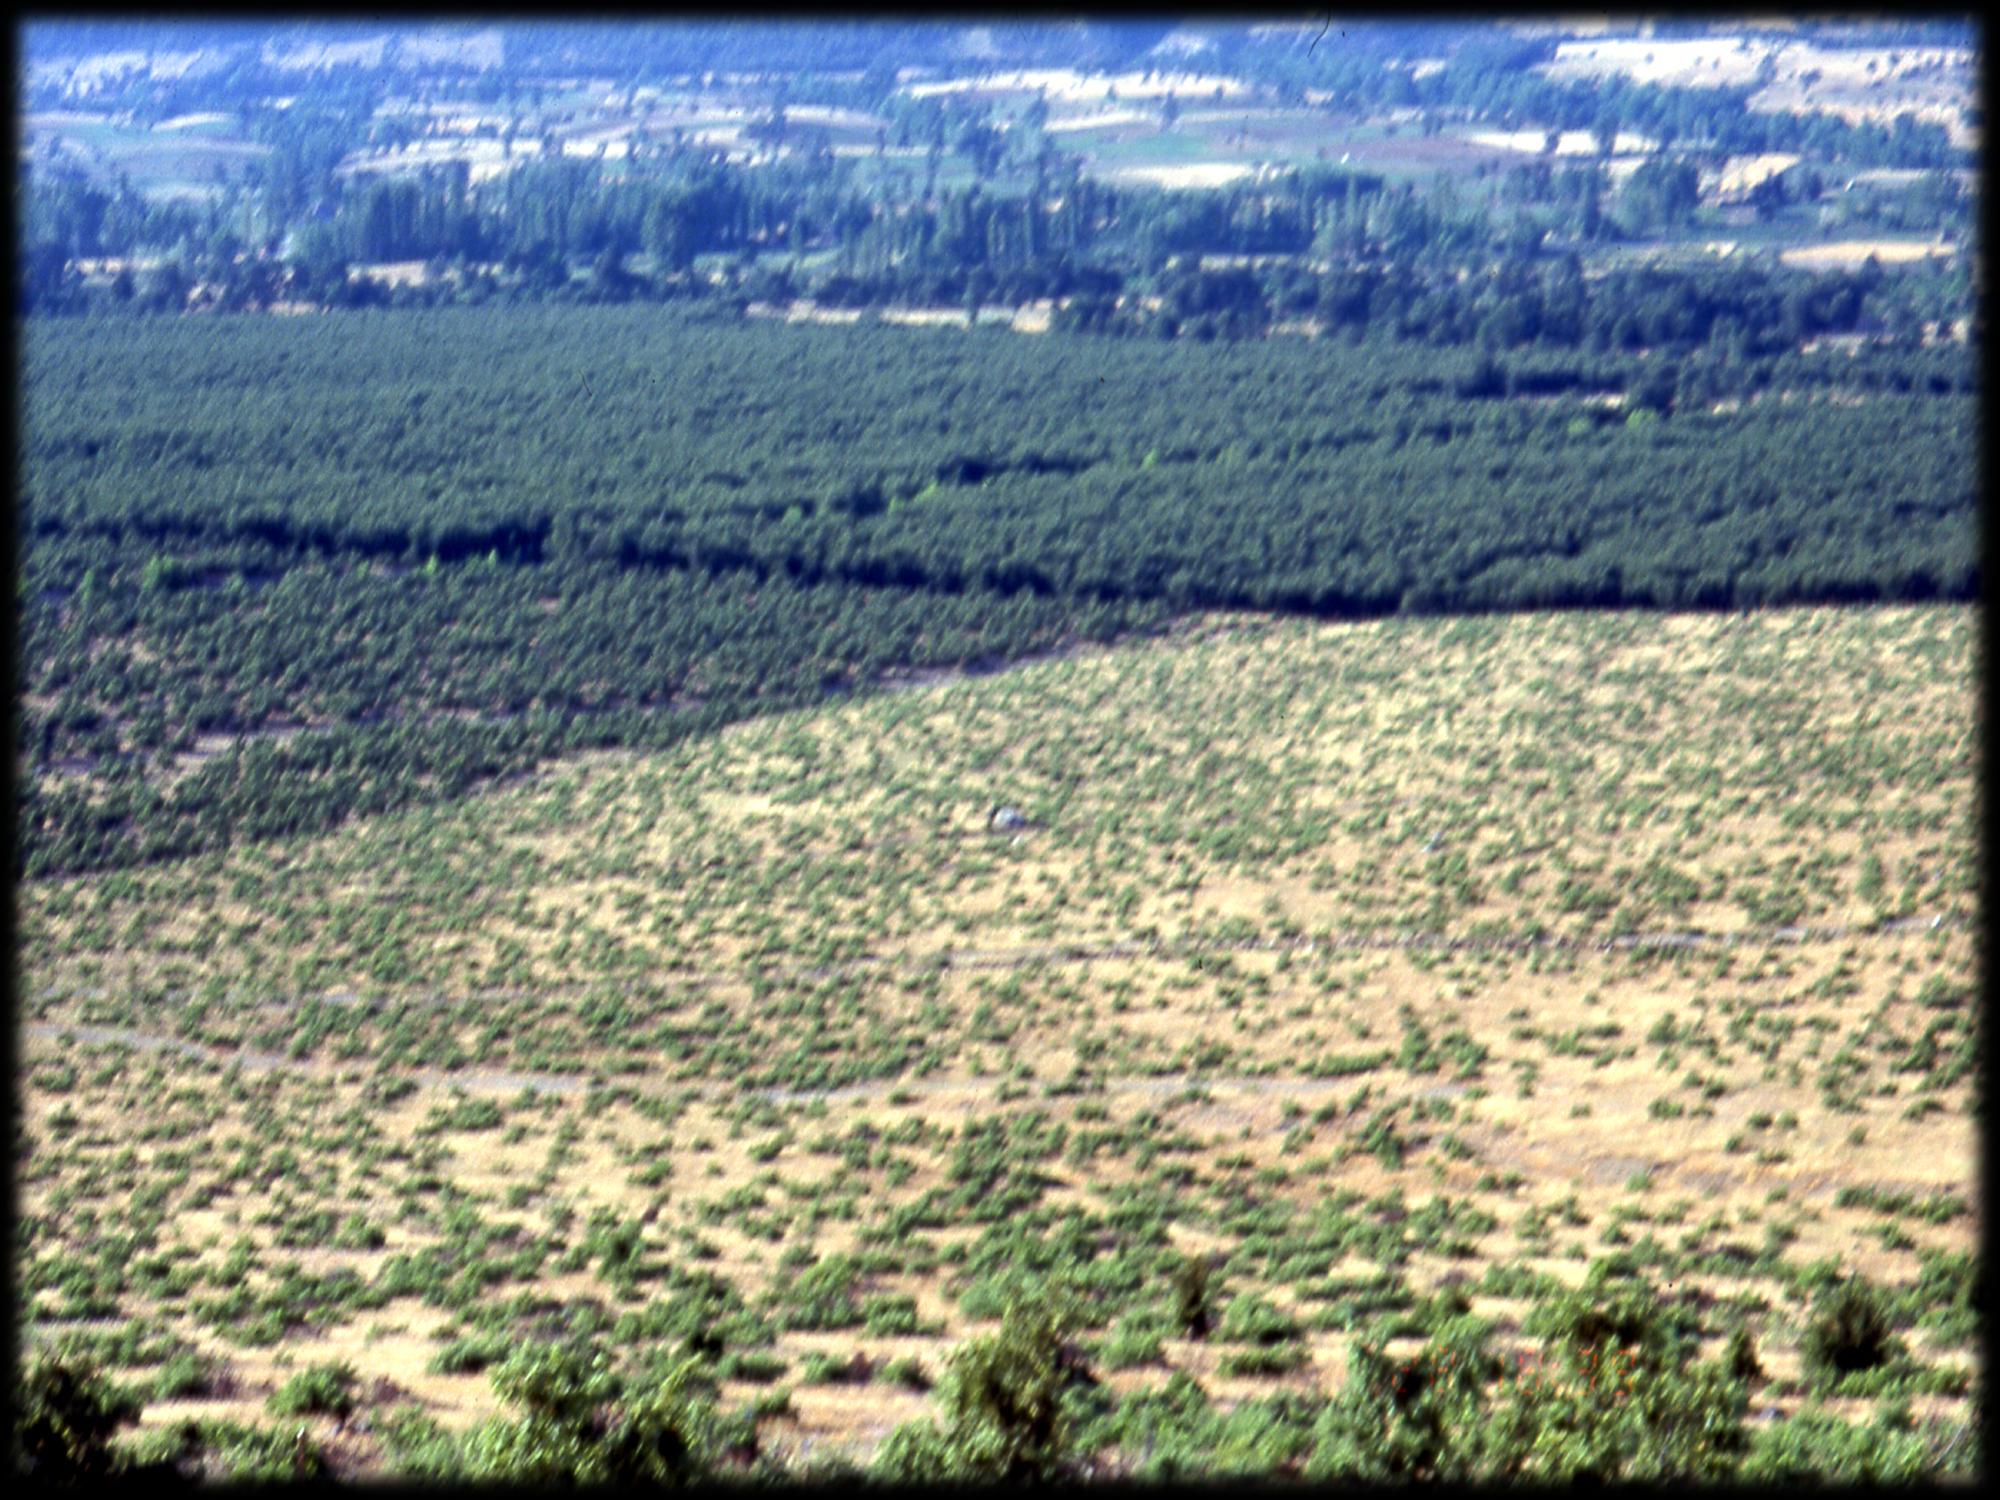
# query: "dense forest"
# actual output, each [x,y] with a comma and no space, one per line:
[393,554]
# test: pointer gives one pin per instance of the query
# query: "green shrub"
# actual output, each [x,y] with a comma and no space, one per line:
[833,1369]
[907,1372]
[257,1455]
[754,1365]
[821,1298]
[327,1389]
[1133,1342]
[64,1417]
[471,1354]
[1849,1332]
[1601,1413]
[1279,1359]
[1948,1297]
[1249,1319]
[1739,1357]
[890,1314]
[419,1448]
[1193,1286]
[1609,1312]
[583,1424]
[185,1374]
[1400,1420]
[1816,1447]
[1002,1401]
[1165,1432]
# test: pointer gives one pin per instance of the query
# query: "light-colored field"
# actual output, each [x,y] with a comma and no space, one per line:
[1193,174]
[1420,950]
[392,272]
[1034,317]
[1718,60]
[1693,62]
[1067,84]
[925,317]
[112,265]
[487,155]
[313,56]
[1568,142]
[1856,83]
[1742,173]
[826,114]
[1100,120]
[56,119]
[610,145]
[1854,252]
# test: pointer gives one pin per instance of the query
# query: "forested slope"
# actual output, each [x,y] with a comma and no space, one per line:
[448,543]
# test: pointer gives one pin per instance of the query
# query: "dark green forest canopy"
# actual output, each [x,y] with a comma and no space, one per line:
[446,544]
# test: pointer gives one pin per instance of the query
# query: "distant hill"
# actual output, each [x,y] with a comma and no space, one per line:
[622,47]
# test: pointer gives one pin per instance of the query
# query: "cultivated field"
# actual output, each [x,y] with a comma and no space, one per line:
[1404,970]
[1847,253]
[1855,83]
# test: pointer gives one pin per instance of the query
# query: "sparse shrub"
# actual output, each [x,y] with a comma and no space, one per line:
[1849,1331]
[907,1372]
[890,1314]
[1739,1357]
[327,1389]
[753,1365]
[471,1354]
[1131,1343]
[1250,1319]
[1276,1359]
[184,1375]
[835,1369]
[1194,1288]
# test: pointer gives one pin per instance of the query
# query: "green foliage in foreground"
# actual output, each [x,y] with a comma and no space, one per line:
[1615,1395]
[64,1416]
[67,1414]
[585,1424]
[1818,1446]
[1006,1416]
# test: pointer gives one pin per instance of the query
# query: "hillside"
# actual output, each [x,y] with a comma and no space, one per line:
[1403,972]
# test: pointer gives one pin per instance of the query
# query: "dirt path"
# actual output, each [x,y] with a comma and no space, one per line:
[472,1080]
[499,1081]
[1375,940]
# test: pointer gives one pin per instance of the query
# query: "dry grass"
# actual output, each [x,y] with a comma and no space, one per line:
[1231,830]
